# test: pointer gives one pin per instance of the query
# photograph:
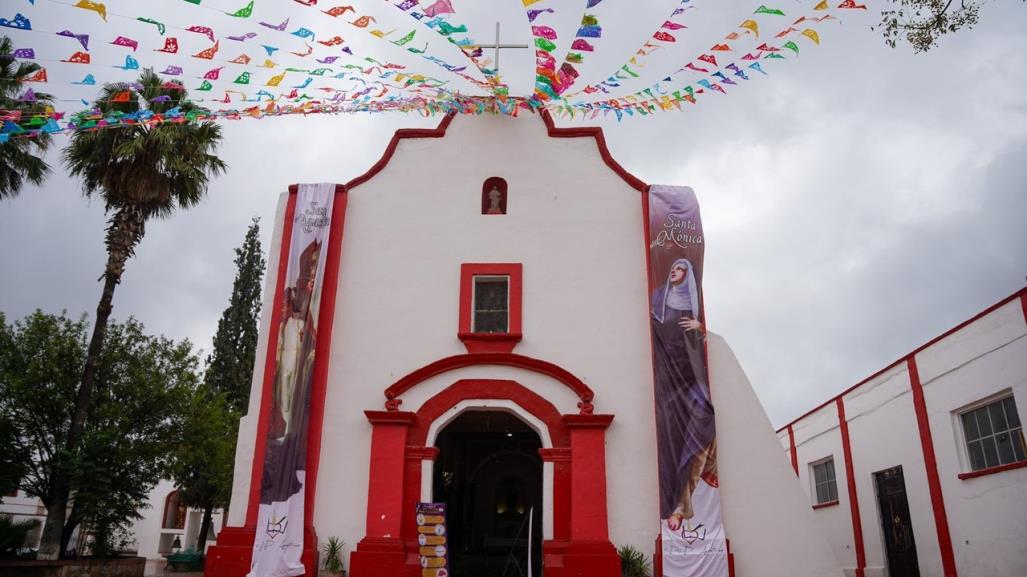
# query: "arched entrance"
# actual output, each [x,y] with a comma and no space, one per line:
[489,474]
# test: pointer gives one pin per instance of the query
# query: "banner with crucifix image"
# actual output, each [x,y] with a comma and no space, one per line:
[690,518]
[279,540]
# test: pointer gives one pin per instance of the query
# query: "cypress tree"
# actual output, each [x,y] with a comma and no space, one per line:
[230,364]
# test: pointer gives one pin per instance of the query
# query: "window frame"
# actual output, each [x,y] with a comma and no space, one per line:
[966,462]
[477,342]
[833,481]
[479,278]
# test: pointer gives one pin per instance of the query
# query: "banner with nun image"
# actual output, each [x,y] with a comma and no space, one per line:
[691,525]
[279,540]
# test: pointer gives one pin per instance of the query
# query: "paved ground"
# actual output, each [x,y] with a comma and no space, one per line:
[155,568]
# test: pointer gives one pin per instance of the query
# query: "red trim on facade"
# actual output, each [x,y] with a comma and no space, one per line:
[825,505]
[992,470]
[264,417]
[525,398]
[1020,294]
[850,478]
[554,455]
[323,347]
[486,187]
[597,133]
[491,342]
[422,453]
[792,450]
[400,134]
[502,359]
[941,521]
[646,235]
[554,132]
[164,515]
[579,545]
[496,389]
[730,559]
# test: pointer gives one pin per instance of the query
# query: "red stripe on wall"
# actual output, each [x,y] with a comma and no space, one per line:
[791,449]
[264,416]
[941,522]
[1023,303]
[322,352]
[850,478]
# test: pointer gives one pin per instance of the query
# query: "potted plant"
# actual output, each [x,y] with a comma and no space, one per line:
[633,563]
[332,551]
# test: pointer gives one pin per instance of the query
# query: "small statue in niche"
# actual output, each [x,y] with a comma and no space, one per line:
[494,199]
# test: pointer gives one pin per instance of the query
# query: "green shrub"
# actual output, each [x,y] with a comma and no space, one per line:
[633,563]
[333,554]
[13,534]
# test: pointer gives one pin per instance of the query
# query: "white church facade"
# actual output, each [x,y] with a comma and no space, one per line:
[538,435]
[920,469]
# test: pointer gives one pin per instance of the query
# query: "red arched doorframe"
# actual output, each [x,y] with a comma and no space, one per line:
[580,543]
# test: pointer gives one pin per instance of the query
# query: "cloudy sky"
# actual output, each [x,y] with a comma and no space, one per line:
[858,200]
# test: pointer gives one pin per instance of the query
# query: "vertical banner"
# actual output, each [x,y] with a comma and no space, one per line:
[279,541]
[431,539]
[690,519]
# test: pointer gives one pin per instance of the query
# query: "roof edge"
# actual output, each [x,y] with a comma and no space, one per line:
[1020,294]
[551,129]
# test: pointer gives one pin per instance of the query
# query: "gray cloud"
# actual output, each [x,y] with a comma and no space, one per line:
[858,200]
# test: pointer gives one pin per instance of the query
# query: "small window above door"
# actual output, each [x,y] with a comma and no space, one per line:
[490,306]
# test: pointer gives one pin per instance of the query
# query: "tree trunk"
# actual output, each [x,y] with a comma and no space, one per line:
[124,233]
[201,541]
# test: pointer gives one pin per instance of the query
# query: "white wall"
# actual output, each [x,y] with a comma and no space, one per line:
[152,540]
[987,516]
[817,437]
[248,424]
[577,229]
[771,528]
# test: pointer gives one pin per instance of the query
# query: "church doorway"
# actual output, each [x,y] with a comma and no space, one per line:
[489,475]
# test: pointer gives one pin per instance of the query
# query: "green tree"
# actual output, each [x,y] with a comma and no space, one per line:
[230,364]
[205,454]
[922,22]
[20,158]
[141,172]
[12,461]
[134,413]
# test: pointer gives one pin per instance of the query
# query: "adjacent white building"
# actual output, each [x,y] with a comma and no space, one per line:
[920,469]
[166,524]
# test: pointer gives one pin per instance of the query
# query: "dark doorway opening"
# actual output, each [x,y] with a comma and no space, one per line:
[896,524]
[489,475]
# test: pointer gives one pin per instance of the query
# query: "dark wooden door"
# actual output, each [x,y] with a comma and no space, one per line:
[900,547]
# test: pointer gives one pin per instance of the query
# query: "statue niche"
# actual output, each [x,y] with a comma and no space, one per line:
[493,196]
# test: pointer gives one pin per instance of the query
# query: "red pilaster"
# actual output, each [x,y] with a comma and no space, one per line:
[561,460]
[850,478]
[792,451]
[589,553]
[941,521]
[412,487]
[264,416]
[381,553]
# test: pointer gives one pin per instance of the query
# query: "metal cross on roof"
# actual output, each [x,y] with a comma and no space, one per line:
[497,46]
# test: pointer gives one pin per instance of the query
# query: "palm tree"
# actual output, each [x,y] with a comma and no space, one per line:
[17,161]
[140,171]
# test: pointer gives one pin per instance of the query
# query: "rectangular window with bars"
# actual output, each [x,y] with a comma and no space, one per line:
[993,435]
[491,305]
[824,484]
